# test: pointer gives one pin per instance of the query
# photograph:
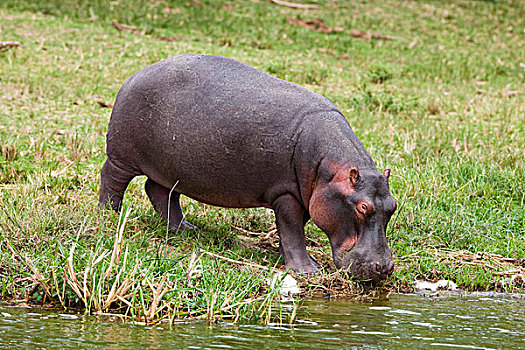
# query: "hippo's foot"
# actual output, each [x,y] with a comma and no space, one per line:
[309,267]
[184,225]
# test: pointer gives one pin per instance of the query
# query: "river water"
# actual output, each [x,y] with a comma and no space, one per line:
[402,321]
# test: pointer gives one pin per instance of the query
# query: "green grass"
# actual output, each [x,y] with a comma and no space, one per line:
[432,105]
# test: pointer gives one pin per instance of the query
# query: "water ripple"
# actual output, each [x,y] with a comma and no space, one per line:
[473,322]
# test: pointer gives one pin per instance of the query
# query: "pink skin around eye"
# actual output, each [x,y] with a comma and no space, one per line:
[362,208]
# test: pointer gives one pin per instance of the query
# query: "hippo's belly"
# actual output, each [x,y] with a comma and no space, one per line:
[219,166]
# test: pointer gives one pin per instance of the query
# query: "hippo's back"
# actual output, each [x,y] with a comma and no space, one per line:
[225,131]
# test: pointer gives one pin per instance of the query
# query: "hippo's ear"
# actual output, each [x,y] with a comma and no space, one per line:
[353,176]
[386,174]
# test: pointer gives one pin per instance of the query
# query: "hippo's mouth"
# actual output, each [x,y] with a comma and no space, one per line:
[348,244]
[369,271]
[343,250]
[366,268]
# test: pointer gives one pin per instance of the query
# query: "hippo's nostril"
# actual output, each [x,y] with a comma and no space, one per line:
[377,268]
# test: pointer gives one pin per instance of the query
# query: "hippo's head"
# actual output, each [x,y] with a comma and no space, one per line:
[353,208]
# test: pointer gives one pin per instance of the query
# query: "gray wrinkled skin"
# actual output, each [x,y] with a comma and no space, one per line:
[232,136]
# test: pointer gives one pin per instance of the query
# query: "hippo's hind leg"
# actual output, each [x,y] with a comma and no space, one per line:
[113,184]
[290,218]
[159,197]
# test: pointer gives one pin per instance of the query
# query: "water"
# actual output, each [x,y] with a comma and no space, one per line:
[453,322]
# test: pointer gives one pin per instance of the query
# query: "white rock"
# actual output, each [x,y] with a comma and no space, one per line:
[441,284]
[289,288]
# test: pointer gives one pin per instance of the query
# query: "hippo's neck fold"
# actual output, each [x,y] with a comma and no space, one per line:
[325,143]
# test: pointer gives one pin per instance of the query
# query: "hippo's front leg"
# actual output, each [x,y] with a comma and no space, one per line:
[290,220]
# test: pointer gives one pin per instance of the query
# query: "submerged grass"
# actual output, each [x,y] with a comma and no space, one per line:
[441,104]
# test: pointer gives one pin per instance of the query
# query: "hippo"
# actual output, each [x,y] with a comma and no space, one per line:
[226,134]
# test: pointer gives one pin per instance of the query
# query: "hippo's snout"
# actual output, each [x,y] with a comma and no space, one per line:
[372,270]
[382,270]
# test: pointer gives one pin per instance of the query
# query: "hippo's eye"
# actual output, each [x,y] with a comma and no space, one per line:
[362,208]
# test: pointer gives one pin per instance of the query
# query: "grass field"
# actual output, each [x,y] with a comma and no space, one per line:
[442,105]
